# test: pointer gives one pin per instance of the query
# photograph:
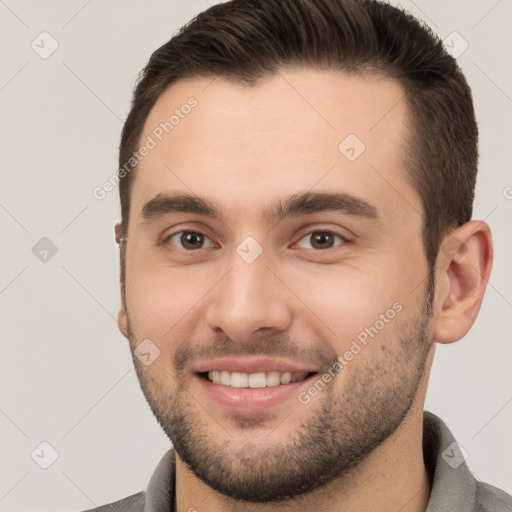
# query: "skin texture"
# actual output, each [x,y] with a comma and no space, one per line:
[357,443]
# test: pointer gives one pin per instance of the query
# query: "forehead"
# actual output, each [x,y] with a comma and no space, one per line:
[297,130]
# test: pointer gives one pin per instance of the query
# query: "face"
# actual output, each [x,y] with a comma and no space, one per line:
[275,277]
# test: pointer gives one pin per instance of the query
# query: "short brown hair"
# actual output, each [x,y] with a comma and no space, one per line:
[247,40]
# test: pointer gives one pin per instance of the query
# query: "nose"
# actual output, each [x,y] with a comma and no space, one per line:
[249,300]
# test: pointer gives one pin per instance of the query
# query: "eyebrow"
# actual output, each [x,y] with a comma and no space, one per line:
[295,205]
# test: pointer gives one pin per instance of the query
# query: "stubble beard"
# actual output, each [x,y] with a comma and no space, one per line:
[340,427]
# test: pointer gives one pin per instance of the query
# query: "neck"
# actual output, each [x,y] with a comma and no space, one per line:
[392,478]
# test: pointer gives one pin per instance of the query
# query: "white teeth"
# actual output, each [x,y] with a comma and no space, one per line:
[286,378]
[254,380]
[225,378]
[273,379]
[239,380]
[257,380]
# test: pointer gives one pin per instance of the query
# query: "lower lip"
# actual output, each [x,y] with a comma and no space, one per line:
[251,400]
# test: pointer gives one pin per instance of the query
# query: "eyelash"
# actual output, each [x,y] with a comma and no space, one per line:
[326,231]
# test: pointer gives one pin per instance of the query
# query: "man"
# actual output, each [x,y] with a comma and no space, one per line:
[296,181]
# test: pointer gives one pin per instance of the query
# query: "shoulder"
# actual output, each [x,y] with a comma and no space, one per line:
[133,503]
[492,499]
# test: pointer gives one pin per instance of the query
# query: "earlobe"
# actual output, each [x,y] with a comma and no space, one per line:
[117,233]
[462,271]
[122,321]
[122,316]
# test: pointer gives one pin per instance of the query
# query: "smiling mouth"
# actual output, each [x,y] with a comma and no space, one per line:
[254,380]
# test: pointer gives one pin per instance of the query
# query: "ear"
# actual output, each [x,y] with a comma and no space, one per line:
[462,272]
[122,316]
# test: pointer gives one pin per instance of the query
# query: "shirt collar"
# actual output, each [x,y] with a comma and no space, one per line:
[453,486]
[161,487]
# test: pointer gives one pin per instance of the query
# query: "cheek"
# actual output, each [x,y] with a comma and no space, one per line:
[158,299]
[347,300]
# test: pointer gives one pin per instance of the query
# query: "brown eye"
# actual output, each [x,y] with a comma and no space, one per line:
[189,240]
[320,240]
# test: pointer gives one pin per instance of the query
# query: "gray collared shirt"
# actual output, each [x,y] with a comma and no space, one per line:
[453,487]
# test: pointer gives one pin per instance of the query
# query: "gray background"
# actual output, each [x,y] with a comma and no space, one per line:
[66,372]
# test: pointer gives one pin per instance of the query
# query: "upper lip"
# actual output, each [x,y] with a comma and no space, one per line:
[253,365]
